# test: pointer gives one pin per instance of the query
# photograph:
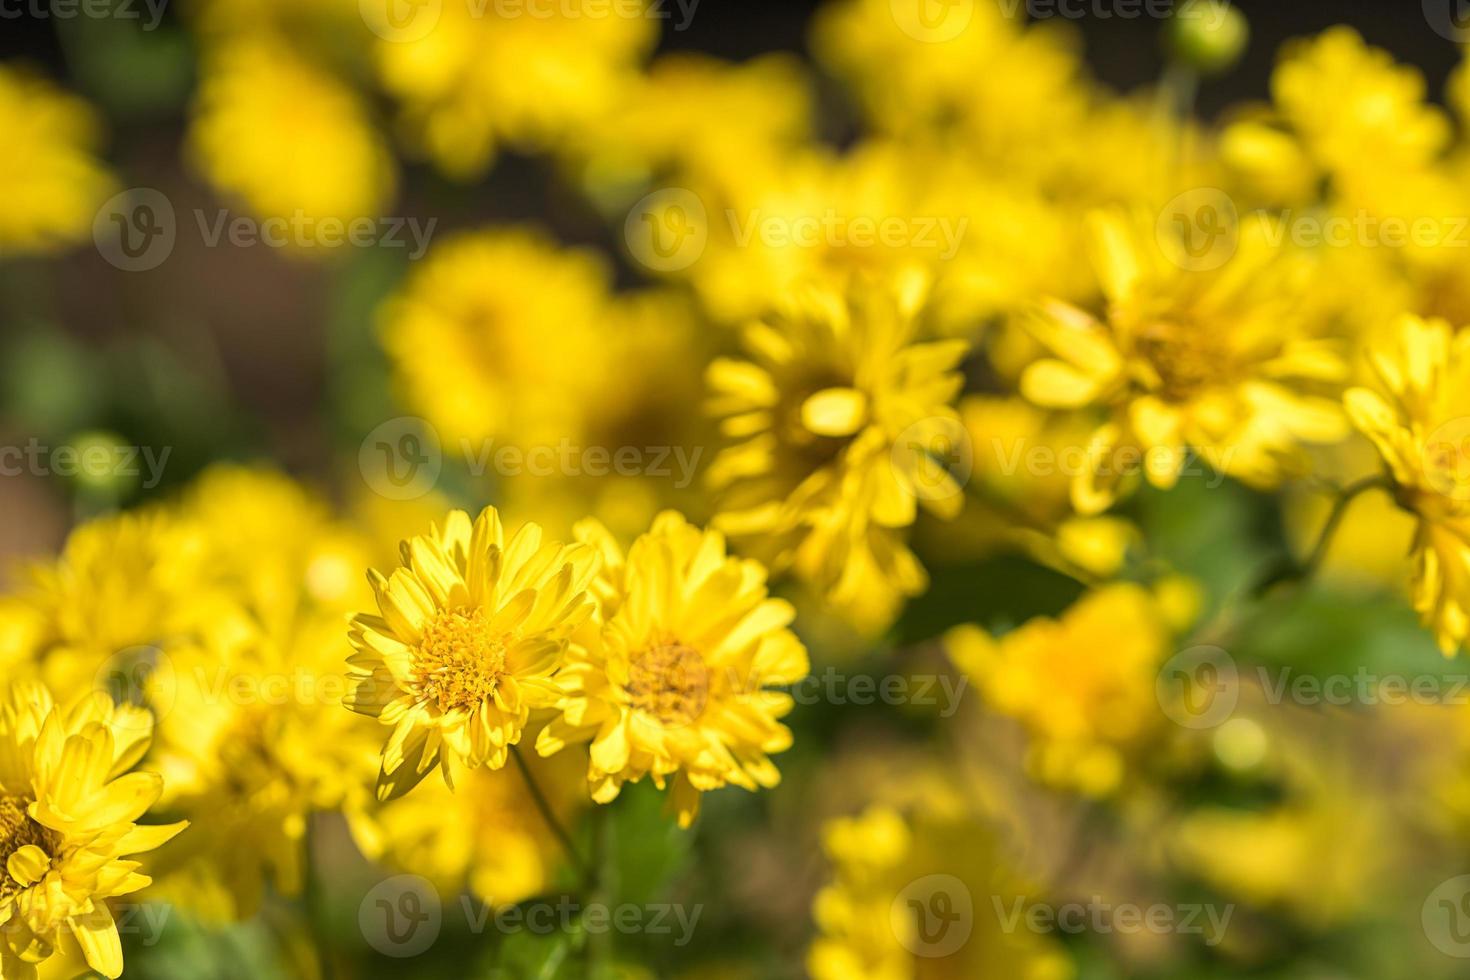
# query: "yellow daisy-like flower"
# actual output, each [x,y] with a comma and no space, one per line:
[972,73]
[1418,416]
[55,183]
[252,739]
[477,78]
[469,631]
[122,587]
[891,871]
[486,835]
[490,336]
[840,415]
[255,98]
[1377,124]
[68,812]
[1084,707]
[676,682]
[1210,358]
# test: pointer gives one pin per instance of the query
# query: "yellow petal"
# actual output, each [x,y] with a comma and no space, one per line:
[835,412]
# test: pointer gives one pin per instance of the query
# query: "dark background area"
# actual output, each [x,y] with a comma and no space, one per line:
[1123,52]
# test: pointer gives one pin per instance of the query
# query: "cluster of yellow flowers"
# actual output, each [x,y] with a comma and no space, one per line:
[224,616]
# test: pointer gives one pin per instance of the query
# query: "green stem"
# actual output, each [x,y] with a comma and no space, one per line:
[599,946]
[547,815]
[314,897]
[1334,521]
[1290,571]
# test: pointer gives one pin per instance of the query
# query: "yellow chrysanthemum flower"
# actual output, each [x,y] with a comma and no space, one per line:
[838,410]
[675,684]
[122,587]
[258,97]
[490,336]
[252,740]
[55,183]
[1376,127]
[969,73]
[1418,416]
[485,835]
[477,78]
[639,450]
[68,812]
[697,118]
[1213,360]
[469,631]
[1083,684]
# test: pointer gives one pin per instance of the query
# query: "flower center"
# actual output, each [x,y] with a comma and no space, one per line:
[459,660]
[669,681]
[18,830]
[1186,361]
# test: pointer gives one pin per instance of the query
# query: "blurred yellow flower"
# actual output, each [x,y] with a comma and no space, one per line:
[1418,415]
[54,182]
[676,682]
[1083,684]
[1376,127]
[480,77]
[252,740]
[696,119]
[888,872]
[485,835]
[123,587]
[68,824]
[1206,358]
[469,633]
[490,337]
[290,140]
[970,76]
[840,414]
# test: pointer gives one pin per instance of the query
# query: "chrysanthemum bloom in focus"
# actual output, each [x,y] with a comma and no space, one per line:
[1195,352]
[469,631]
[53,182]
[840,416]
[675,683]
[1418,416]
[68,807]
